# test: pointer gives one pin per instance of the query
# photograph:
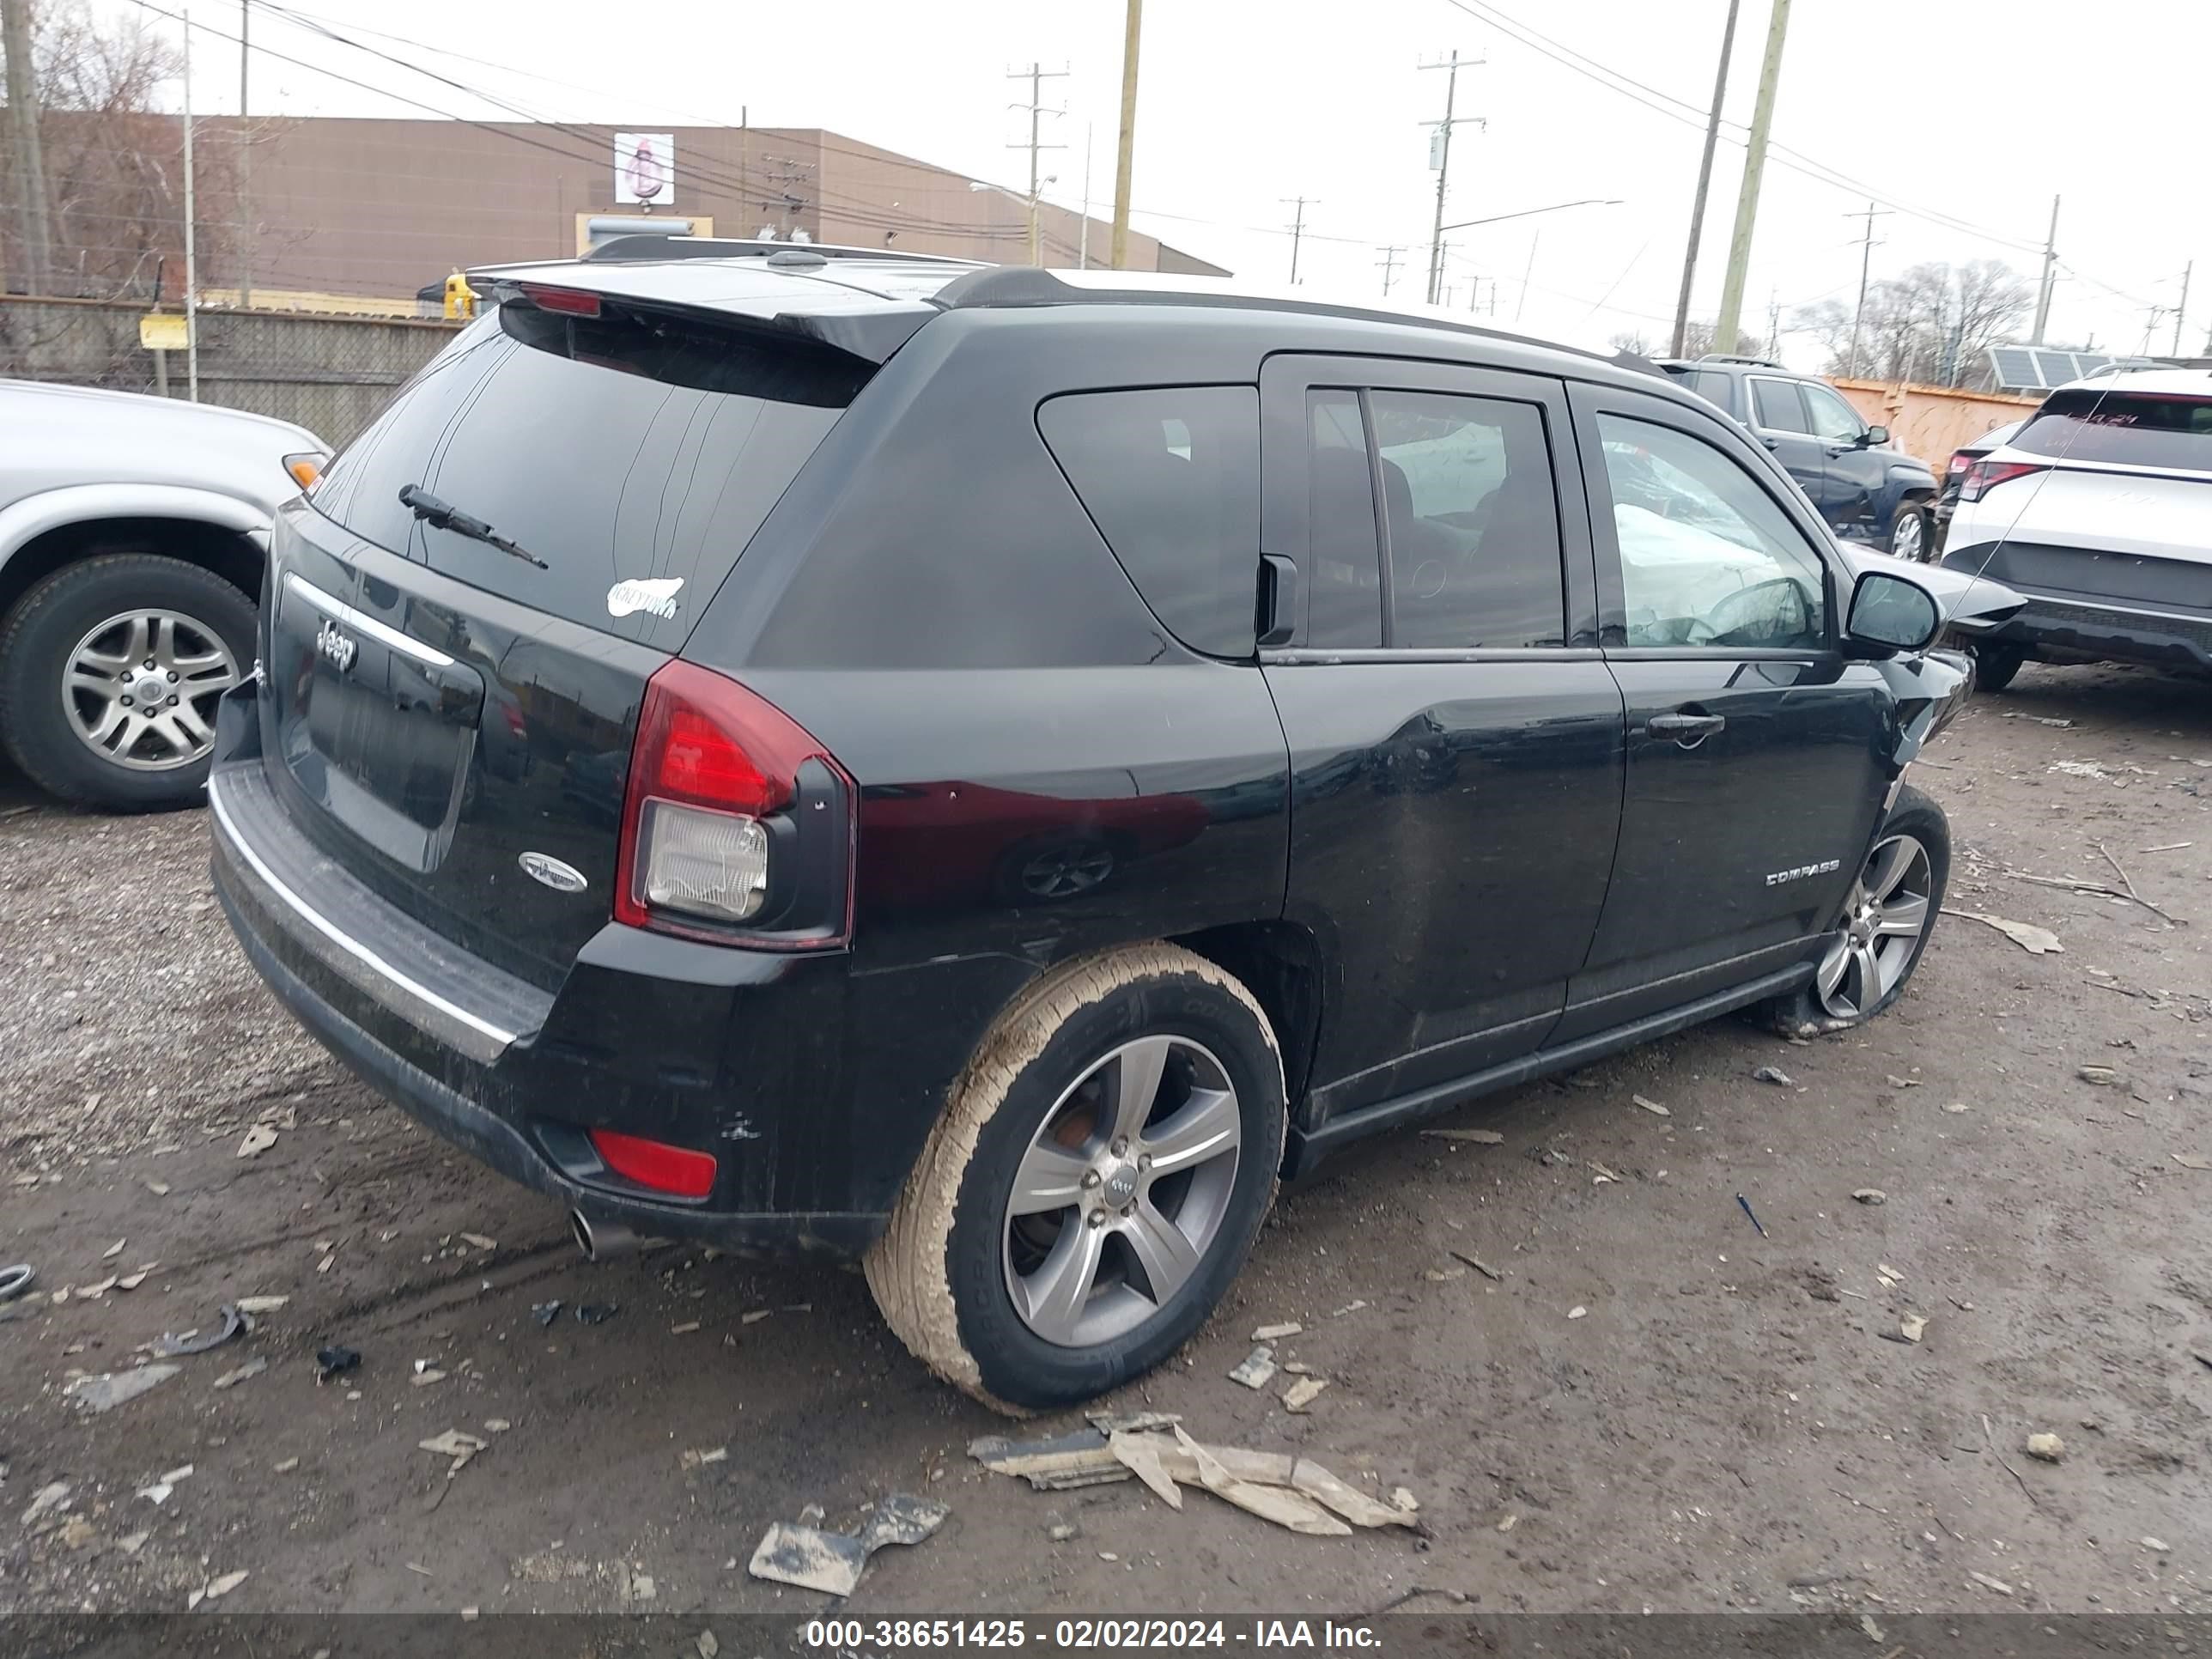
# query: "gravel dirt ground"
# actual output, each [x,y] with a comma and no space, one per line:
[1655,1407]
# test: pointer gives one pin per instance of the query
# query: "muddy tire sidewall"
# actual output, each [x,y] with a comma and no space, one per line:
[939,1273]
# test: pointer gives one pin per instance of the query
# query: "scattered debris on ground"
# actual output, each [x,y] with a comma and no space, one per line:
[833,1561]
[1256,1368]
[2036,941]
[200,1342]
[1651,1106]
[2048,1447]
[335,1361]
[1471,1137]
[1871,1195]
[1775,1075]
[106,1391]
[1301,1394]
[1276,1332]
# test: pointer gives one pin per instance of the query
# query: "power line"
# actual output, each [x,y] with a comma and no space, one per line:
[1677,109]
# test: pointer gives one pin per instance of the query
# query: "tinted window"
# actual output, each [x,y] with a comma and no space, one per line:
[1707,557]
[1171,479]
[1343,580]
[1473,526]
[1833,419]
[2133,429]
[624,447]
[1710,384]
[1776,406]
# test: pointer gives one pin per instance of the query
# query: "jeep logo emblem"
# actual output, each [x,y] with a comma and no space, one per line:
[561,878]
[335,647]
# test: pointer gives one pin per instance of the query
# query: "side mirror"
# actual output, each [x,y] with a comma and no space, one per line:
[1876,436]
[1890,614]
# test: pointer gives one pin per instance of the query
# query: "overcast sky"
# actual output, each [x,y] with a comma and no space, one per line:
[1972,111]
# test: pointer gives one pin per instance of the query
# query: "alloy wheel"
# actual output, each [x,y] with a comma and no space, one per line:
[1122,1191]
[1889,910]
[1908,540]
[140,689]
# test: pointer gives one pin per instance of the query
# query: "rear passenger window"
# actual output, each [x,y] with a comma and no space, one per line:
[1344,609]
[1171,479]
[1778,406]
[1473,525]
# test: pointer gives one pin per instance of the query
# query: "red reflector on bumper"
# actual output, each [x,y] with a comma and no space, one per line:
[676,1170]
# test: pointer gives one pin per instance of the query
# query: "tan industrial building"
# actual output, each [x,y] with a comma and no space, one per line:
[378,208]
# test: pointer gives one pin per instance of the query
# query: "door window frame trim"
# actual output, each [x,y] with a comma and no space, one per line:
[1751,382]
[1805,392]
[1286,521]
[1588,401]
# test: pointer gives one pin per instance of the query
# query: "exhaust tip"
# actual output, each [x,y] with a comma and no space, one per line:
[601,1241]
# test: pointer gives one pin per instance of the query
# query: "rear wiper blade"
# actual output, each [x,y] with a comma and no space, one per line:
[432,511]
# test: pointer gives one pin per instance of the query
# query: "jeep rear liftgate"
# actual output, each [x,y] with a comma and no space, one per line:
[462,619]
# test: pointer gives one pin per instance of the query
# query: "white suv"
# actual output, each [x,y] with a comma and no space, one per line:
[2099,510]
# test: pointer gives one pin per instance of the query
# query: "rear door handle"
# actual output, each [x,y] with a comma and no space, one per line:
[1687,729]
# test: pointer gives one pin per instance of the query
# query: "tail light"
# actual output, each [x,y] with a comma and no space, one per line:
[1960,458]
[1984,475]
[737,825]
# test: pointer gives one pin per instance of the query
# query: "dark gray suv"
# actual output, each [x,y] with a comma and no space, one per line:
[1866,491]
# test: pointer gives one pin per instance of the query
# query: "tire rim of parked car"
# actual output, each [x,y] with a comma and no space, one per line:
[1122,1191]
[1908,538]
[138,688]
[1888,911]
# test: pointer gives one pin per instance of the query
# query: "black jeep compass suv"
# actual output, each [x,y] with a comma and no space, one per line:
[987,771]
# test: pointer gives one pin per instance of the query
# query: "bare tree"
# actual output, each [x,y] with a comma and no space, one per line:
[1931,324]
[1696,341]
[114,161]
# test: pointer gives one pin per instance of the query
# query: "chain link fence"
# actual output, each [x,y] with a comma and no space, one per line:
[330,375]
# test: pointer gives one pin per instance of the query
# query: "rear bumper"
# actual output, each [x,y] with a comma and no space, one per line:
[2156,611]
[813,1086]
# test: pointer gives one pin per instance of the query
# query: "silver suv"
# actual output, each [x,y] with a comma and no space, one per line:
[133,531]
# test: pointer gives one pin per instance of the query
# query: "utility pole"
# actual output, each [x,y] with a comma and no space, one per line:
[192,243]
[1083,254]
[1773,323]
[1754,165]
[1036,77]
[1866,257]
[1125,145]
[2182,310]
[38,234]
[1390,262]
[1440,161]
[2049,271]
[1704,183]
[1297,233]
[246,226]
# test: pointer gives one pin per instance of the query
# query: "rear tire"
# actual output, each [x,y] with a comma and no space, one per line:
[1912,536]
[1996,665]
[958,1273]
[1905,874]
[55,626]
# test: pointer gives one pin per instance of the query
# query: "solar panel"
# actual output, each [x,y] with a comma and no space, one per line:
[2040,368]
[2057,367]
[2014,366]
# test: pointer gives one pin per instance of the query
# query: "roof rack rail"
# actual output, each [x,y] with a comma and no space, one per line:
[1734,357]
[1033,285]
[642,247]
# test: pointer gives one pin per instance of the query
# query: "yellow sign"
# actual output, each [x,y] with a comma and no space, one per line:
[161,331]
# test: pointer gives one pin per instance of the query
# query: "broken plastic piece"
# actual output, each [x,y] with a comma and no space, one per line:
[334,1361]
[833,1561]
[233,1324]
